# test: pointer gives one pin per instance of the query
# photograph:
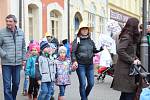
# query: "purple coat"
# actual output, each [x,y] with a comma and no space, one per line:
[63,72]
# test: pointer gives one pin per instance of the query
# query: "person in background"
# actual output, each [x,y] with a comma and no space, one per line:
[47,71]
[12,53]
[34,50]
[129,37]
[83,49]
[67,45]
[63,69]
[52,39]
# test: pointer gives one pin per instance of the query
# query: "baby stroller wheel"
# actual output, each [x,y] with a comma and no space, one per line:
[101,78]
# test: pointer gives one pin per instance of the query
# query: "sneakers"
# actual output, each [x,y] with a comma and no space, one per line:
[25,93]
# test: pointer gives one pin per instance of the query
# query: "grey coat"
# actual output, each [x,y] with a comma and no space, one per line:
[12,48]
[126,55]
[47,69]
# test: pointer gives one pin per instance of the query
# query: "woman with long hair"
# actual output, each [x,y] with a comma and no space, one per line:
[126,50]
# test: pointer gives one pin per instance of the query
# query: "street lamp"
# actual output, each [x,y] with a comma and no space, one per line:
[144,44]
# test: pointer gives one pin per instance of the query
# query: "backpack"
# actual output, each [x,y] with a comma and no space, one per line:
[37,70]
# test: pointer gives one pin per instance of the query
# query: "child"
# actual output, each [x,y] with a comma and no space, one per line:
[47,70]
[62,71]
[30,71]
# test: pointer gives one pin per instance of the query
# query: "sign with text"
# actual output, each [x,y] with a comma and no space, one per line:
[118,16]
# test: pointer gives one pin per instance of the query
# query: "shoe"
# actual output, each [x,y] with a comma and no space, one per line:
[30,96]
[25,93]
[52,98]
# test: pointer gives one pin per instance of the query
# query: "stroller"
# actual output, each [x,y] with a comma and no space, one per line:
[103,71]
[143,89]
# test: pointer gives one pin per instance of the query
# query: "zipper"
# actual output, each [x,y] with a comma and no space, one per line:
[49,69]
[14,38]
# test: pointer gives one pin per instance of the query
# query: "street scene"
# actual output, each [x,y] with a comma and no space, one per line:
[74,49]
[101,91]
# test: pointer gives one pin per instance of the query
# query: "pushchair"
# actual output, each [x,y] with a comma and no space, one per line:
[143,85]
[103,71]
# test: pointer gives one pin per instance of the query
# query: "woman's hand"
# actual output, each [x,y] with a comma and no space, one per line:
[137,62]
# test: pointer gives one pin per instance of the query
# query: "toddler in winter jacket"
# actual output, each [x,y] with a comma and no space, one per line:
[62,71]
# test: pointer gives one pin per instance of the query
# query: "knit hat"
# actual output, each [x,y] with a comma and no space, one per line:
[43,45]
[62,48]
[34,44]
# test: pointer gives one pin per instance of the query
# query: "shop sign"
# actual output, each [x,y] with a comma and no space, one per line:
[118,16]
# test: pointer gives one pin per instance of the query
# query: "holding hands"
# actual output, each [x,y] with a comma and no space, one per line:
[74,65]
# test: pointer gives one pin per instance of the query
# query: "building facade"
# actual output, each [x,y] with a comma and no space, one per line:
[91,11]
[41,16]
[121,10]
[8,7]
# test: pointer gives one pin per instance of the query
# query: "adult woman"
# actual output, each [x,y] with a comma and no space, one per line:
[83,49]
[129,38]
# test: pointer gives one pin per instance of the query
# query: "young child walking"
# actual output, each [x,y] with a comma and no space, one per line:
[34,49]
[63,70]
[47,69]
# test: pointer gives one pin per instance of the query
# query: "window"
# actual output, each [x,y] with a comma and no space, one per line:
[91,19]
[101,24]
[54,23]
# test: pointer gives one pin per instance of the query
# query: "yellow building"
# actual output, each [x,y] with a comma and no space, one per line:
[121,10]
[94,12]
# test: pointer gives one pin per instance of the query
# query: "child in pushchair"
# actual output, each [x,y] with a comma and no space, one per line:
[103,71]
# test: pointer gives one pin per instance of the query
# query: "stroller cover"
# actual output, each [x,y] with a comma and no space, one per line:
[145,94]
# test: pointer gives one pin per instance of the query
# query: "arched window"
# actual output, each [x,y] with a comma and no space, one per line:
[33,12]
[55,21]
[77,21]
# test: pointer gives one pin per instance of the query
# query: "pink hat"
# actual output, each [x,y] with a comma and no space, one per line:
[34,44]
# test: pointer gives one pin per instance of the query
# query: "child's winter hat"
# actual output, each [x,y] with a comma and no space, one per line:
[34,44]
[43,45]
[62,48]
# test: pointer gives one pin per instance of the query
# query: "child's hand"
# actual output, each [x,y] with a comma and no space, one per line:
[27,77]
[74,66]
[39,82]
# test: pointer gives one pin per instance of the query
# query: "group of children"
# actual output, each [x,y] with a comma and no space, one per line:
[44,68]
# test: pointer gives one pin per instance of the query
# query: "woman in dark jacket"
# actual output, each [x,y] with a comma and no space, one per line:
[129,38]
[83,49]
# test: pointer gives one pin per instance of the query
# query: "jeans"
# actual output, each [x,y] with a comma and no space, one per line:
[127,96]
[46,91]
[11,81]
[83,72]
[62,90]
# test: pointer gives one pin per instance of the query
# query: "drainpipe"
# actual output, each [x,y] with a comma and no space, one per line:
[20,13]
[68,21]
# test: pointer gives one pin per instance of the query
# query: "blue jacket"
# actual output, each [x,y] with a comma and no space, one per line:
[67,45]
[30,66]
